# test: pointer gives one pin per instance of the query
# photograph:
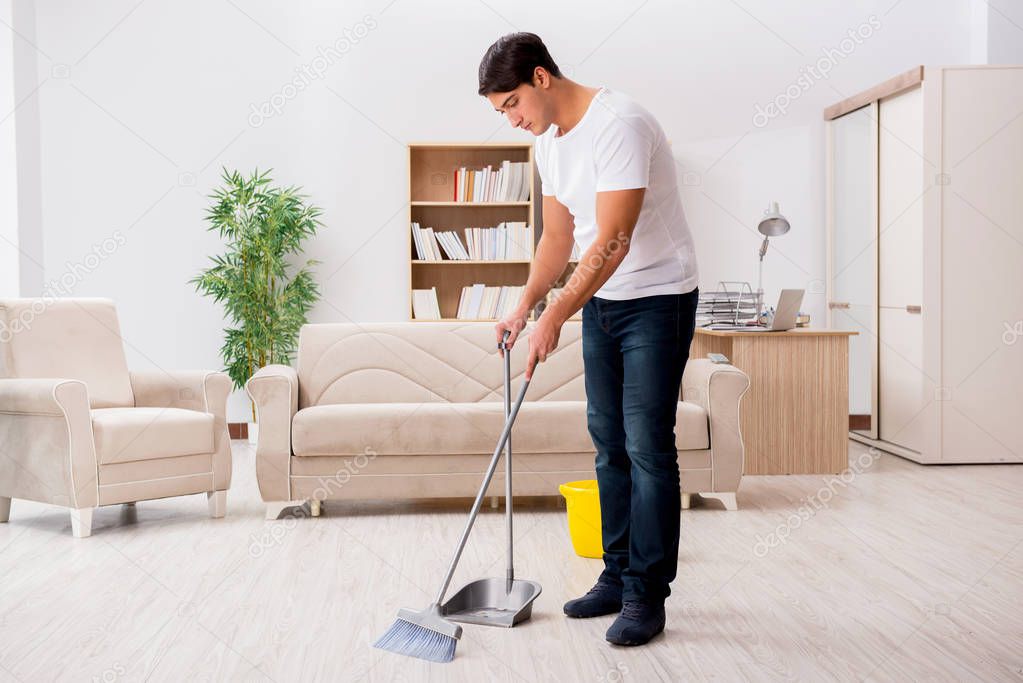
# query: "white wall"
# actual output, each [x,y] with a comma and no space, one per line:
[26,120]
[1004,31]
[9,255]
[140,105]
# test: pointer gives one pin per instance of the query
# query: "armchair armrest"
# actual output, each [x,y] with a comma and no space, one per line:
[47,451]
[718,388]
[274,391]
[201,390]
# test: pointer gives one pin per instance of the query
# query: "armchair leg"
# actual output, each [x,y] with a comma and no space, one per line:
[81,522]
[274,508]
[728,499]
[687,500]
[217,501]
[5,508]
[314,507]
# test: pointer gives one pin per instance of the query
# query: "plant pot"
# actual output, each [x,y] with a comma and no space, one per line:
[253,428]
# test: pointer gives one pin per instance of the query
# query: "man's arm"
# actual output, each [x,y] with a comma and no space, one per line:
[617,213]
[550,260]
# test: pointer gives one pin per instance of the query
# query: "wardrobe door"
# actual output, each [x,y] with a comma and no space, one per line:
[982,264]
[853,263]
[901,387]
[902,169]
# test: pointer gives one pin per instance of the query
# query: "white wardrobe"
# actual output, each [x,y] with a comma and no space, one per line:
[925,261]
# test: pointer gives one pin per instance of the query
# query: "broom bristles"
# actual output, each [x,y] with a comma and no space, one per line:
[413,640]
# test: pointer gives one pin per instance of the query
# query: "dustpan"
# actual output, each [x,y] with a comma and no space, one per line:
[498,601]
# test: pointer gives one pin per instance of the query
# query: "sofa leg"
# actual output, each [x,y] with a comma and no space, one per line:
[5,508]
[314,507]
[81,522]
[687,500]
[727,498]
[493,502]
[274,508]
[217,501]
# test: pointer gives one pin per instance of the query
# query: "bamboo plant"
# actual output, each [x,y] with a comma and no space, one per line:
[265,297]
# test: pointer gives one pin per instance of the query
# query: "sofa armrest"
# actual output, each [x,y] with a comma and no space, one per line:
[274,392]
[204,391]
[47,451]
[718,388]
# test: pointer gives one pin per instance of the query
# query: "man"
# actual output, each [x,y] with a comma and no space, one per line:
[608,184]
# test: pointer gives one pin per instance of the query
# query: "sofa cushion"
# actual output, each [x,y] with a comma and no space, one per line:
[460,428]
[130,434]
[403,362]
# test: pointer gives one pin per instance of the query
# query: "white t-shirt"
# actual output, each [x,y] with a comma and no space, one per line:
[618,145]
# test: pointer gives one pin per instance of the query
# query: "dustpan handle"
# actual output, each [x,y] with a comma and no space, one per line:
[505,433]
[510,573]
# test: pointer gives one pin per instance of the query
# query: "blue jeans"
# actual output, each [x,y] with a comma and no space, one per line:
[634,353]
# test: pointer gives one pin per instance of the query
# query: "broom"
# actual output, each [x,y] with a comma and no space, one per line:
[426,634]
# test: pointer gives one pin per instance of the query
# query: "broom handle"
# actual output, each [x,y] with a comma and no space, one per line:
[510,573]
[483,489]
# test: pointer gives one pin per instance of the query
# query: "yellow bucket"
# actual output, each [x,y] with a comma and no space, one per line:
[583,503]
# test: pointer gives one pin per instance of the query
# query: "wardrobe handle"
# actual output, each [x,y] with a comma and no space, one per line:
[913,309]
[838,304]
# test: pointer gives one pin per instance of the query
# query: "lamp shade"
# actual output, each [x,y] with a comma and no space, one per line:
[773,223]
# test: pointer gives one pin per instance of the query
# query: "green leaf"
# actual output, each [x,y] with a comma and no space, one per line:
[265,297]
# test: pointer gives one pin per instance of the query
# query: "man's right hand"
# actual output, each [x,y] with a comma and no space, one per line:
[514,323]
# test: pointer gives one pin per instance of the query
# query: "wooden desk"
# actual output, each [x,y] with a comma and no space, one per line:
[795,416]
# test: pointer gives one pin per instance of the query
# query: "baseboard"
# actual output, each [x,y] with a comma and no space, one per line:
[859,423]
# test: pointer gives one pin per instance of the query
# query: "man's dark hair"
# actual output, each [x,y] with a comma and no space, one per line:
[510,62]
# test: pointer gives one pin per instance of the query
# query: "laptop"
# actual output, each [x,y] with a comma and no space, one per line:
[785,314]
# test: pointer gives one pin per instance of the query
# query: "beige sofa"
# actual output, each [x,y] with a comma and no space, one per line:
[414,410]
[77,429]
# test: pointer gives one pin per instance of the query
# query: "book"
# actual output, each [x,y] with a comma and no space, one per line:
[475,300]
[482,302]
[510,240]
[420,251]
[509,182]
[431,242]
[424,304]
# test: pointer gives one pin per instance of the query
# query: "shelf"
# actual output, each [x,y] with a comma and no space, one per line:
[432,167]
[472,145]
[454,320]
[468,204]
[471,262]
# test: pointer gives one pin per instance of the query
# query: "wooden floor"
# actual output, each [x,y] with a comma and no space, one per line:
[899,573]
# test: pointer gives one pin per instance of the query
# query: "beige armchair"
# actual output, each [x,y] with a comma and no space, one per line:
[77,429]
[414,410]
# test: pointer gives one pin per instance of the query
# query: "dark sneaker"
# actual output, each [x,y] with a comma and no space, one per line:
[603,598]
[637,624]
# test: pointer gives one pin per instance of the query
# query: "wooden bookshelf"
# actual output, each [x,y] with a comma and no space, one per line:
[431,188]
